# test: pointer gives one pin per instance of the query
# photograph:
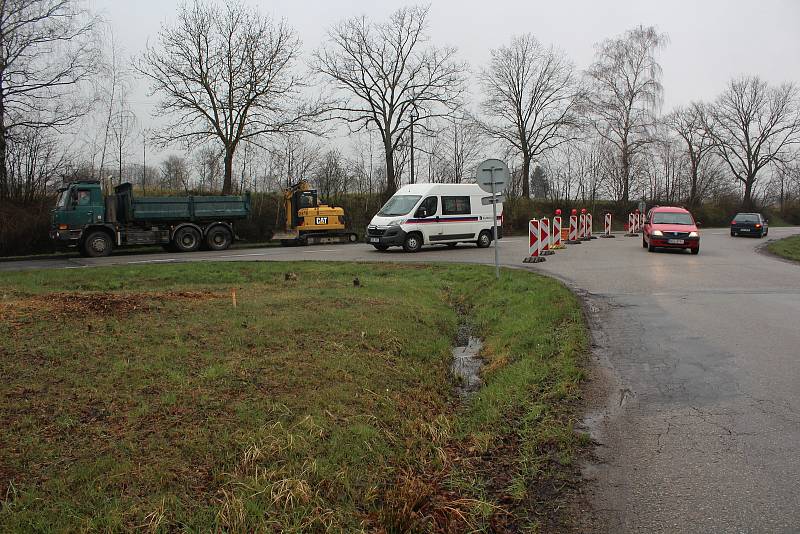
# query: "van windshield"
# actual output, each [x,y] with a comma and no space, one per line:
[399,205]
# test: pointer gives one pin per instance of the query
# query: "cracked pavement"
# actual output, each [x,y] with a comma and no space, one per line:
[696,373]
[698,359]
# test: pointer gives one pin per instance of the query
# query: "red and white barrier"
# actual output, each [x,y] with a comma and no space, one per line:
[557,232]
[582,227]
[589,224]
[534,238]
[632,223]
[545,237]
[573,229]
[607,226]
[534,242]
[544,234]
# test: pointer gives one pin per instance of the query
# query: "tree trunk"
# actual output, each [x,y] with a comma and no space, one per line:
[227,184]
[747,203]
[391,178]
[4,188]
[693,187]
[626,172]
[526,175]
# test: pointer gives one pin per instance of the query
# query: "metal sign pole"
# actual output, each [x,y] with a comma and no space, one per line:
[492,177]
[494,228]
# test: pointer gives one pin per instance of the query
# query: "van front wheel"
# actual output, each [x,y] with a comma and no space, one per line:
[413,243]
[484,239]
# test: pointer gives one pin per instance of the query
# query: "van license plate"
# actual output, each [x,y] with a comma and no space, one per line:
[675,241]
[374,240]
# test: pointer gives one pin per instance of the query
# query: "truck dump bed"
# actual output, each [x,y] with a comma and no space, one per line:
[188,208]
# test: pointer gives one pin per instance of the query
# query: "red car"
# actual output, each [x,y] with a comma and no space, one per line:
[670,227]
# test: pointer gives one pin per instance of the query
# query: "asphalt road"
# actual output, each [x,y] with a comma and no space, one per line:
[696,375]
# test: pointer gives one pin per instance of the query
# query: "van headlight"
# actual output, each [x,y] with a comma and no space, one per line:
[693,234]
[396,222]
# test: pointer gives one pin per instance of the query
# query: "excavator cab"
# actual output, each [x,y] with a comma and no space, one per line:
[302,200]
[307,221]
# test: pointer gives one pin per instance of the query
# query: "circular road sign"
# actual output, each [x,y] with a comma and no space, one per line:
[493,170]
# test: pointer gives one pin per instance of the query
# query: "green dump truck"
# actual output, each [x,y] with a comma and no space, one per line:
[95,224]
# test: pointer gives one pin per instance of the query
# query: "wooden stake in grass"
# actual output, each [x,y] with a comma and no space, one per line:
[233,297]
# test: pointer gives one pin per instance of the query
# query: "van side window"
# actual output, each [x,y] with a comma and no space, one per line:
[428,207]
[455,206]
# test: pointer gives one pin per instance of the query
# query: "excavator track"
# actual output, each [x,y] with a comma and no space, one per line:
[321,239]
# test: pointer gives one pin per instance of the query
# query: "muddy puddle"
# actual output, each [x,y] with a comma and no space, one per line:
[466,366]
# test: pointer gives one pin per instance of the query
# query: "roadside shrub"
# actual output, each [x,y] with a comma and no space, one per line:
[24,229]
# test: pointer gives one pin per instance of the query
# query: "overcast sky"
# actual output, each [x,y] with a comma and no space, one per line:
[710,40]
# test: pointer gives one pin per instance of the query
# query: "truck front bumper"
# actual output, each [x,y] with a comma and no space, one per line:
[65,238]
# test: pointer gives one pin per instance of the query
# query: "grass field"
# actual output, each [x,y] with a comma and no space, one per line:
[788,247]
[140,398]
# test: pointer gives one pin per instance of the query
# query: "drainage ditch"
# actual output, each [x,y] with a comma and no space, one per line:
[466,366]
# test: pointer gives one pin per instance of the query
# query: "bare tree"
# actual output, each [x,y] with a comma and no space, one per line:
[46,54]
[114,83]
[532,99]
[294,157]
[754,125]
[688,124]
[331,176]
[207,164]
[626,92]
[226,73]
[384,70]
[123,128]
[175,173]
[34,159]
[455,149]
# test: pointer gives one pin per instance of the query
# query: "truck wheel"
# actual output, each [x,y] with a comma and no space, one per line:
[97,244]
[187,239]
[484,239]
[219,238]
[413,243]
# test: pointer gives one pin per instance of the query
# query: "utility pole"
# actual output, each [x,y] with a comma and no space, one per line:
[413,120]
[144,161]
[456,176]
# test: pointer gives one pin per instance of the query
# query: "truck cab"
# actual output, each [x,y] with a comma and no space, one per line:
[80,208]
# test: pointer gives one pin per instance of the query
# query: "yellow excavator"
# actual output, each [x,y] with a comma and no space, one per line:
[307,222]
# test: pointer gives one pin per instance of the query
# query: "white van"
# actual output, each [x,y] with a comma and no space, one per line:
[429,214]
